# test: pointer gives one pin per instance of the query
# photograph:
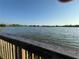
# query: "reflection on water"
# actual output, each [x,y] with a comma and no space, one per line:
[62,35]
[1,29]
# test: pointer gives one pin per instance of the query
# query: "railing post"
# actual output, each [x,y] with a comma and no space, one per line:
[29,55]
[36,56]
[13,51]
[0,47]
[18,52]
[33,56]
[23,53]
[26,54]
[4,49]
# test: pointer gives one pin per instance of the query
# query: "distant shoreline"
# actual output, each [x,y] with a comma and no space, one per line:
[18,25]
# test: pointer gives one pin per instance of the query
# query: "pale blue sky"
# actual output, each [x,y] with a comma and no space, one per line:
[49,12]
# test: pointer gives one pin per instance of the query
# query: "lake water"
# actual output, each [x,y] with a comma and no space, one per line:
[68,36]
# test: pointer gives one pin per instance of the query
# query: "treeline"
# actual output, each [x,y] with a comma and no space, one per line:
[18,25]
[70,26]
[2,25]
[10,25]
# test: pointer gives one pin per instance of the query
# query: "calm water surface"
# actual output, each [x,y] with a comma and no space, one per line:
[68,36]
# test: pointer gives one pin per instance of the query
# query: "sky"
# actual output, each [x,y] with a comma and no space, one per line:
[39,12]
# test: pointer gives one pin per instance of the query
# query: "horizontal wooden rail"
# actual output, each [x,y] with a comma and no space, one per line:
[14,49]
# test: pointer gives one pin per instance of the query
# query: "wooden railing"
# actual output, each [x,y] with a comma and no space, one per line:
[14,49]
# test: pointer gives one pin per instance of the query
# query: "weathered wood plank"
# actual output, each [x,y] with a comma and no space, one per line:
[23,53]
